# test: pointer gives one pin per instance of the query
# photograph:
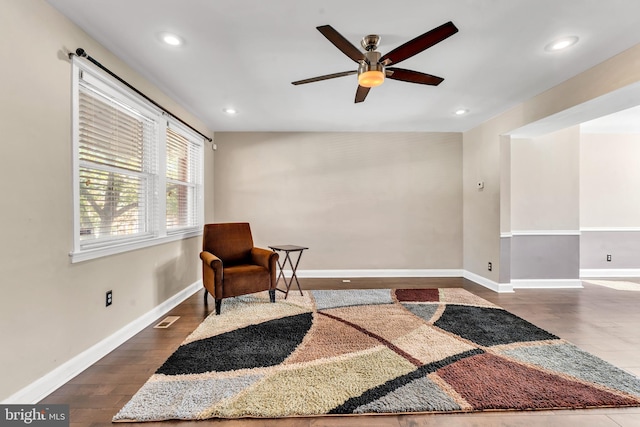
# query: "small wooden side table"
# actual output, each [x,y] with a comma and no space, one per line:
[287,249]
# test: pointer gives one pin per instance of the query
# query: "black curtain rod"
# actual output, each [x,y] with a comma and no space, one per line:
[82,54]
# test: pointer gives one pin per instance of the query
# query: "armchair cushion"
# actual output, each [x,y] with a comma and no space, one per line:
[263,257]
[245,279]
[231,242]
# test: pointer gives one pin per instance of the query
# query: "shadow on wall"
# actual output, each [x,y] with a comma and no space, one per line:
[179,272]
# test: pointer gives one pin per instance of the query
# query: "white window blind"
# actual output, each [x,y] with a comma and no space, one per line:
[183,181]
[119,143]
[116,146]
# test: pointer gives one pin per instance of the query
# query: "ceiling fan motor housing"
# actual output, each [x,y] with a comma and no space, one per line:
[370,42]
[371,63]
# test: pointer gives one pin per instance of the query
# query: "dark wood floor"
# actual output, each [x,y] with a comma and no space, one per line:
[603,321]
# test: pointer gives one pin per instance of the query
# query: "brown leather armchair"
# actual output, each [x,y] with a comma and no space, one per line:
[232,266]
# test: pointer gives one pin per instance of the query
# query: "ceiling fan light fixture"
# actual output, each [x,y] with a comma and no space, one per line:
[371,72]
[371,78]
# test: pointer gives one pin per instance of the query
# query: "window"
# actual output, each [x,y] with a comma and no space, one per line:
[183,159]
[137,173]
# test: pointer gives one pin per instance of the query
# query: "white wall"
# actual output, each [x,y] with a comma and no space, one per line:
[52,310]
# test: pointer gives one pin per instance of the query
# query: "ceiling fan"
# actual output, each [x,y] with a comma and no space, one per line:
[374,67]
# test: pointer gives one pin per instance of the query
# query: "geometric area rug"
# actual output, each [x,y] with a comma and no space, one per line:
[373,351]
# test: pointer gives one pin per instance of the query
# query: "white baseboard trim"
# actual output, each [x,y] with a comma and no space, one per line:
[609,272]
[376,273]
[546,283]
[47,384]
[497,287]
[487,283]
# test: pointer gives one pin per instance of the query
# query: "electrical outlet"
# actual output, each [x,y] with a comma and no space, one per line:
[490,267]
[609,258]
[109,298]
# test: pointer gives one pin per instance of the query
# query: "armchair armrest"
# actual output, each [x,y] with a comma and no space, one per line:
[211,260]
[212,273]
[264,258]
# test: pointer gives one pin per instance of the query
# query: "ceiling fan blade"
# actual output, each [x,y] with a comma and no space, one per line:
[361,93]
[325,77]
[413,76]
[419,44]
[341,43]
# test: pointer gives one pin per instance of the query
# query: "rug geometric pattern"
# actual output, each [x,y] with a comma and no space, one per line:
[373,352]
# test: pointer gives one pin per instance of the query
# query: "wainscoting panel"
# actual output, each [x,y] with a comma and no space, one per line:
[504,274]
[536,257]
[622,244]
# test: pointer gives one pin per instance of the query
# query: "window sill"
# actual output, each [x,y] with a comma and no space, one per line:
[87,254]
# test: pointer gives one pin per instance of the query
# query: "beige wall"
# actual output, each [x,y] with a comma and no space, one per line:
[51,310]
[482,159]
[545,180]
[610,179]
[358,200]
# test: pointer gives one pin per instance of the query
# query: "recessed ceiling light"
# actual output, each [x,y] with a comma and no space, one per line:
[230,111]
[561,43]
[461,112]
[171,39]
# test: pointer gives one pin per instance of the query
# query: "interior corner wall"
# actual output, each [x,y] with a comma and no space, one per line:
[610,204]
[51,310]
[482,161]
[504,272]
[481,206]
[359,201]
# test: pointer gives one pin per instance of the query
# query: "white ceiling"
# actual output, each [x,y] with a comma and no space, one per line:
[245,54]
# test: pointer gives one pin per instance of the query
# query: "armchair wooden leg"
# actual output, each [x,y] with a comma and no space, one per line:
[272,295]
[206,294]
[218,305]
